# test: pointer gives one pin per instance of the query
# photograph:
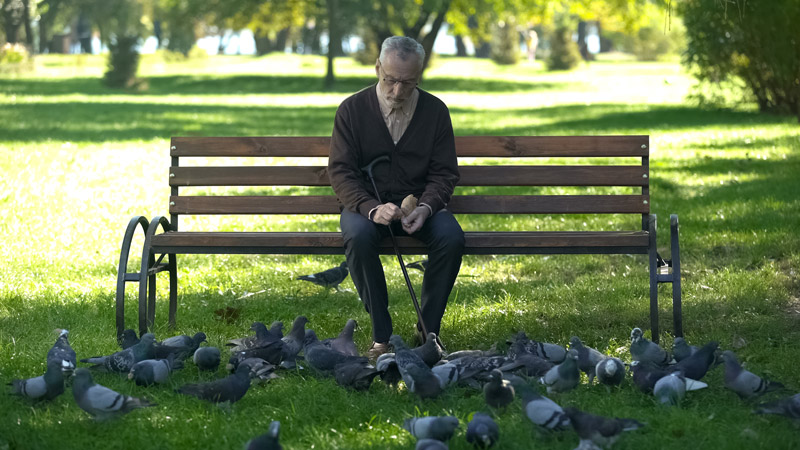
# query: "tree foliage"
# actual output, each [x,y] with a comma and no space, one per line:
[754,40]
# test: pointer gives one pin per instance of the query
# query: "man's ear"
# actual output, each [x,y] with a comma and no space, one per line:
[377,67]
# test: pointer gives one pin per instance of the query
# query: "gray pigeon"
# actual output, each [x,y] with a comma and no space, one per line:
[154,371]
[544,412]
[643,349]
[416,374]
[588,358]
[181,346]
[63,353]
[293,342]
[430,351]
[789,407]
[355,374]
[447,373]
[229,389]
[473,370]
[528,364]
[697,364]
[744,382]
[522,344]
[440,428]
[430,444]
[472,354]
[123,360]
[564,376]
[387,366]
[260,370]
[330,278]
[207,358]
[671,389]
[646,374]
[268,440]
[681,350]
[600,431]
[610,371]
[128,339]
[482,431]
[344,342]
[262,338]
[100,401]
[420,265]
[44,387]
[324,359]
[498,392]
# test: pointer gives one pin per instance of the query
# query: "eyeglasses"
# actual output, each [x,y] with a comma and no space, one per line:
[404,84]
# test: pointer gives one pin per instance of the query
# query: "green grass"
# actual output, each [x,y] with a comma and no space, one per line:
[78,160]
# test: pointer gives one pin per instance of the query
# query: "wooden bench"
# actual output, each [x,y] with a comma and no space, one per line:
[523,176]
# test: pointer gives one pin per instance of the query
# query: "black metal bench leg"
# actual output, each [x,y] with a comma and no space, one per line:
[173,290]
[122,271]
[675,254]
[653,260]
[150,267]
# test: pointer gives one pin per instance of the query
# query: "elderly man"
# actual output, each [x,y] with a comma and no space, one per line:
[412,127]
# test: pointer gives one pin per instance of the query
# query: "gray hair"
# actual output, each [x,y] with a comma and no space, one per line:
[403,47]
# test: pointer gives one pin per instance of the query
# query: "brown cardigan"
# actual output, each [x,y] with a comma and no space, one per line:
[423,162]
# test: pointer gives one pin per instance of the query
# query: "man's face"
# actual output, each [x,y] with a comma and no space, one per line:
[397,78]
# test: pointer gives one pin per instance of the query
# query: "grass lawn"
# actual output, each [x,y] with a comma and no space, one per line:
[78,160]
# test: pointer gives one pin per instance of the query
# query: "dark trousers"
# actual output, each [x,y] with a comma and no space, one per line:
[444,238]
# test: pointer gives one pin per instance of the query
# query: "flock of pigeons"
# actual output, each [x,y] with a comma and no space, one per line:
[426,371]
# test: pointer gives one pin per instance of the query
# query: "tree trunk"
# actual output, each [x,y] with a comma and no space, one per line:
[27,18]
[333,37]
[430,38]
[280,39]
[461,48]
[263,44]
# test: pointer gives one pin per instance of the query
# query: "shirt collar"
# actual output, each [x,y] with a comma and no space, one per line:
[404,108]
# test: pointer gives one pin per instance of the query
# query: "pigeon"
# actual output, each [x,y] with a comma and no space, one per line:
[697,364]
[154,371]
[387,366]
[789,407]
[472,354]
[355,374]
[471,370]
[588,358]
[482,431]
[646,374]
[599,431]
[430,351]
[207,358]
[293,342]
[229,389]
[420,265]
[262,338]
[123,360]
[268,440]
[642,349]
[564,376]
[128,339]
[344,342]
[743,382]
[681,350]
[440,428]
[447,374]
[44,387]
[610,371]
[100,401]
[182,346]
[63,353]
[528,364]
[260,370]
[520,343]
[498,392]
[324,359]
[416,374]
[671,389]
[544,412]
[430,444]
[330,278]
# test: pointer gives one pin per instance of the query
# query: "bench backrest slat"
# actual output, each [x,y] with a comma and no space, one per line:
[466,146]
[470,176]
[460,204]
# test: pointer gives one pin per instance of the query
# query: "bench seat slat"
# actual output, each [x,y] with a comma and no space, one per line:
[477,242]
[466,146]
[459,204]
[470,176]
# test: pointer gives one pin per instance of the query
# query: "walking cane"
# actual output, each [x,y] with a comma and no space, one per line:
[368,170]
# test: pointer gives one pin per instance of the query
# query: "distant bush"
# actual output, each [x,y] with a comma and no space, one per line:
[367,53]
[564,52]
[170,56]
[123,62]
[756,41]
[505,44]
[649,43]
[15,58]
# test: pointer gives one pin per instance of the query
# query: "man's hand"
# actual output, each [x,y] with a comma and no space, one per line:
[387,213]
[414,221]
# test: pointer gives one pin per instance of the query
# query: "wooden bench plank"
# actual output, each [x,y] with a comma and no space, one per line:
[466,146]
[470,176]
[459,204]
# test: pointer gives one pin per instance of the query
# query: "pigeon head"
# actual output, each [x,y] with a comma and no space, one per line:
[199,337]
[62,332]
[679,341]
[257,326]
[147,339]
[496,375]
[636,334]
[82,379]
[397,342]
[310,338]
[728,355]
[575,342]
[572,354]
